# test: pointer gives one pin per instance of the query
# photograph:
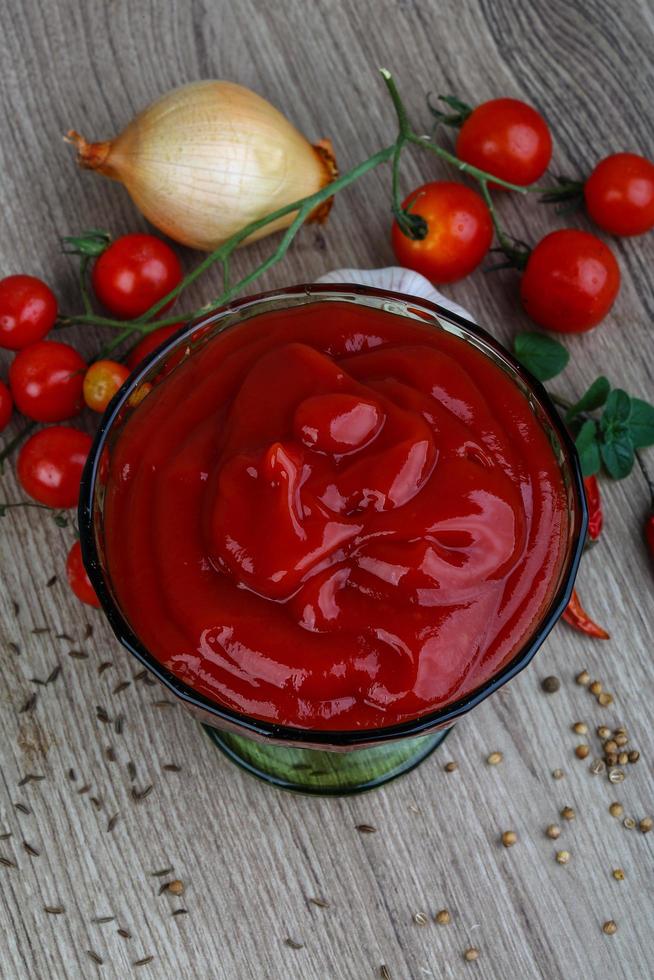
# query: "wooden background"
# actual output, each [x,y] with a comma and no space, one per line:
[251,858]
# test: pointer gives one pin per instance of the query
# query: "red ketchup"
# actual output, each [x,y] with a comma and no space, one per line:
[334,517]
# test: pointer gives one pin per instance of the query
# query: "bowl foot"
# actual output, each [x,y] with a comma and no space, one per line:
[323,773]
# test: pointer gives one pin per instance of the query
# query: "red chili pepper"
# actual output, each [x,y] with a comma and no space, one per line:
[577,617]
[594,501]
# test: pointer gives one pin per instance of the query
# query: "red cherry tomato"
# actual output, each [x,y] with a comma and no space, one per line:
[149,343]
[50,465]
[102,381]
[570,281]
[459,232]
[6,405]
[46,381]
[508,139]
[135,272]
[28,309]
[78,579]
[619,194]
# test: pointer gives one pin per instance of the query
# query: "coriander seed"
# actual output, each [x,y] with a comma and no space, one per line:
[580,727]
[634,755]
[616,776]
[568,813]
[621,739]
[611,758]
[605,698]
[563,857]
[451,766]
[494,758]
[471,954]
[646,825]
[618,874]
[509,838]
[595,688]
[553,831]
[610,745]
[616,809]
[610,928]
[583,678]
[420,919]
[176,887]
[443,917]
[550,684]
[558,773]
[597,766]
[603,731]
[582,751]
[623,758]
[629,823]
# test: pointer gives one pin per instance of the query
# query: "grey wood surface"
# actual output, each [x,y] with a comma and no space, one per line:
[251,857]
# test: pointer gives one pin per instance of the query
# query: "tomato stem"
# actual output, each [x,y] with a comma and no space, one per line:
[7,450]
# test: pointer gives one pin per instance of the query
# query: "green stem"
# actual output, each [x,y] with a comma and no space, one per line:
[15,442]
[503,239]
[83,269]
[465,168]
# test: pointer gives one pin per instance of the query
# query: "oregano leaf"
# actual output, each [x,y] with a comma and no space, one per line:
[618,456]
[594,397]
[641,423]
[617,409]
[588,448]
[543,356]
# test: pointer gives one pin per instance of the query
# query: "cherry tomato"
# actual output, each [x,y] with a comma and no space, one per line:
[50,465]
[28,309]
[78,579]
[6,405]
[459,232]
[619,194]
[46,381]
[508,139]
[134,273]
[149,343]
[102,381]
[570,281]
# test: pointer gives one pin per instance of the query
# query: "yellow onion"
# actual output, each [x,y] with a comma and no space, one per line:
[207,159]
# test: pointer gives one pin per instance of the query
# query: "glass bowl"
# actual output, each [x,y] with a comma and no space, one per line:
[315,761]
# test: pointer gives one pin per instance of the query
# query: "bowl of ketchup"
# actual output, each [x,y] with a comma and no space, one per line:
[331,520]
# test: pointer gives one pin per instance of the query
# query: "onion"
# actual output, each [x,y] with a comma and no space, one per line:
[208,158]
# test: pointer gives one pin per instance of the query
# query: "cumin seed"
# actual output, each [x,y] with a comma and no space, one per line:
[143,961]
[29,705]
[5,836]
[78,654]
[94,956]
[110,754]
[85,788]
[131,770]
[88,631]
[164,704]
[180,912]
[32,851]
[51,581]
[37,680]
[102,919]
[292,944]
[143,794]
[161,873]
[97,802]
[39,630]
[111,823]
[16,607]
[6,862]
[23,809]
[139,675]
[54,909]
[384,972]
[118,724]
[124,933]
[30,777]
[171,767]
[320,902]
[53,675]
[119,688]
[105,665]
[366,828]
[13,647]
[163,888]
[101,714]
[72,775]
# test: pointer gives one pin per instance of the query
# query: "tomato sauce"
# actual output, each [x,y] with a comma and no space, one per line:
[334,517]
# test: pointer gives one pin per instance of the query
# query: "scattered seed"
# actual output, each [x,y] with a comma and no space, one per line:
[568,813]
[634,755]
[143,961]
[29,705]
[620,730]
[583,678]
[320,902]
[164,704]
[443,917]
[616,775]
[494,758]
[629,823]
[509,838]
[15,649]
[620,738]
[22,808]
[563,857]
[580,727]
[553,831]
[139,675]
[32,851]
[292,944]
[451,766]
[366,828]
[72,775]
[103,919]
[15,607]
[121,687]
[420,919]
[143,794]
[611,758]
[610,928]
[550,684]
[646,825]
[51,581]
[616,809]
[471,954]
[124,933]
[78,654]
[163,888]
[54,909]
[149,681]
[597,766]
[175,887]
[118,724]
[37,680]
[53,675]
[131,771]
[94,956]
[5,836]
[605,699]
[101,714]
[111,823]
[6,862]
[84,789]
[88,631]
[618,874]
[105,665]
[610,746]
[558,773]
[384,972]
[623,758]
[161,873]
[171,767]
[180,912]
[30,777]
[110,753]
[39,630]
[595,688]
[97,802]
[582,751]
[603,731]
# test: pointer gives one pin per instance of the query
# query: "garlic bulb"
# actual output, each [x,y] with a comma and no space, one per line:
[207,159]
[398,280]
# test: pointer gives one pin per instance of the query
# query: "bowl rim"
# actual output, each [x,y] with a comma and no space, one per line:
[307,737]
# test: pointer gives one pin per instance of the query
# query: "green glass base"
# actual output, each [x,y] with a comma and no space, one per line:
[326,773]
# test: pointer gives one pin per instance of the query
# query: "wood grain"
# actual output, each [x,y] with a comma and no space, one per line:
[250,857]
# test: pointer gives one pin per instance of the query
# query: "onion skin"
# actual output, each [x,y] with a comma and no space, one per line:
[207,159]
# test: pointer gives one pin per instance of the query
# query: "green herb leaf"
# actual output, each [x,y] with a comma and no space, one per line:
[60,520]
[541,355]
[641,423]
[593,398]
[618,455]
[588,448]
[412,225]
[617,409]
